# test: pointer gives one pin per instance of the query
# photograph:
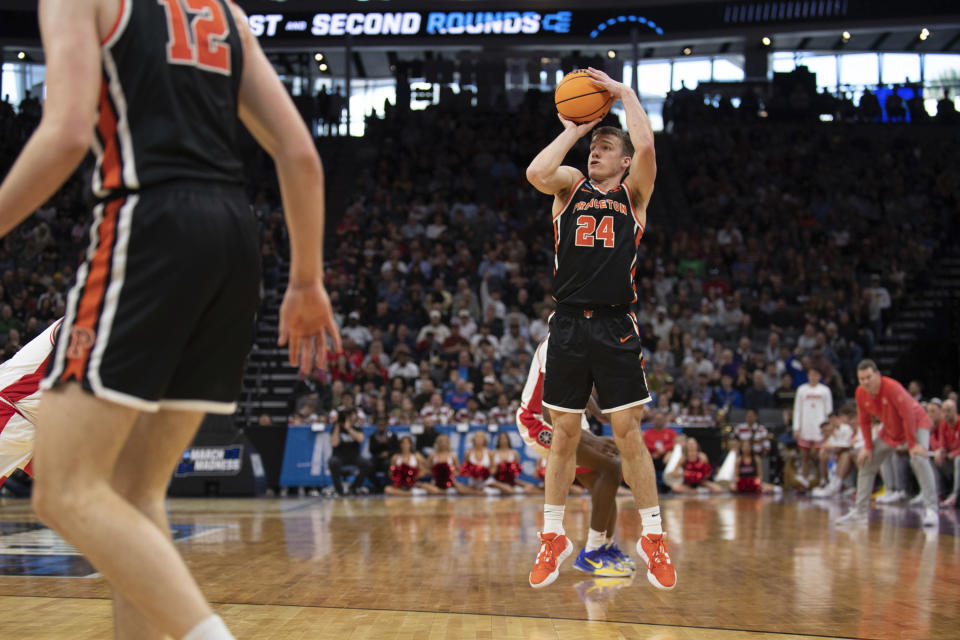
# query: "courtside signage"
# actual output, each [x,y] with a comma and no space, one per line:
[211,461]
[411,23]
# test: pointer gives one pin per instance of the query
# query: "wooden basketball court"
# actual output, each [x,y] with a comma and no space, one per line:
[457,568]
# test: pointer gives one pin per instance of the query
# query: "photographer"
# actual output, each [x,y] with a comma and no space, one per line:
[346,440]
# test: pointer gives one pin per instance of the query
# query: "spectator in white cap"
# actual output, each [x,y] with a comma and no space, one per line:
[439,330]
[662,324]
[488,396]
[403,366]
[361,335]
[467,326]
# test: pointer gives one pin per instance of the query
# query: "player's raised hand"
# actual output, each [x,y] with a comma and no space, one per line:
[306,322]
[604,81]
[580,129]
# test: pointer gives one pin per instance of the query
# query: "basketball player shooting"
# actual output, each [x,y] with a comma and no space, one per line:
[158,324]
[598,221]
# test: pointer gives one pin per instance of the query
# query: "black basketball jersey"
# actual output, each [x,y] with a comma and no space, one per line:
[596,236]
[168,98]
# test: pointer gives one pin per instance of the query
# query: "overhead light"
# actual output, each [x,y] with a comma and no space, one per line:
[766,41]
[611,54]
[318,57]
[687,51]
[323,66]
[21,55]
[845,35]
[924,33]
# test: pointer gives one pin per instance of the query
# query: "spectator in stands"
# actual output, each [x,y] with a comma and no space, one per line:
[403,366]
[435,330]
[725,396]
[811,408]
[360,334]
[383,446]
[869,108]
[878,300]
[785,395]
[457,398]
[751,429]
[346,439]
[659,440]
[697,414]
[436,410]
[948,453]
[488,395]
[470,413]
[757,396]
[838,432]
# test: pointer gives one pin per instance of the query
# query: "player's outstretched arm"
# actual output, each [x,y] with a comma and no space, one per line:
[643,166]
[71,46]
[306,317]
[546,173]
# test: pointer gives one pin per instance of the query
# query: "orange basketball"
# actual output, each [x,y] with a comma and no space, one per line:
[579,99]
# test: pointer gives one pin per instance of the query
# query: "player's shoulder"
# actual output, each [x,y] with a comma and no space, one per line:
[573,179]
[238,13]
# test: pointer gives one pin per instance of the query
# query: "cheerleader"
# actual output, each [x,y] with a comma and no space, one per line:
[406,469]
[746,473]
[478,466]
[443,468]
[506,465]
[693,471]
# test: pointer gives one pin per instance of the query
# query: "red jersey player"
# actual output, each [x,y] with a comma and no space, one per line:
[19,398]
[600,473]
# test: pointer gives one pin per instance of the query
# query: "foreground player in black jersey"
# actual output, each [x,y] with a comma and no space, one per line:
[158,324]
[598,221]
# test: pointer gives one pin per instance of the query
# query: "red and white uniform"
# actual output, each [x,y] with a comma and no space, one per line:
[811,408]
[470,417]
[405,472]
[536,433]
[756,432]
[441,415]
[499,415]
[478,468]
[20,378]
[506,466]
[444,470]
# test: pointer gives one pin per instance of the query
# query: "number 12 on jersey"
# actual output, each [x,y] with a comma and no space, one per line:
[197,39]
[588,231]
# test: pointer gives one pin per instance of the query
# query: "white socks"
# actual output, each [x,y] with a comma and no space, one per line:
[595,540]
[211,628]
[553,518]
[650,521]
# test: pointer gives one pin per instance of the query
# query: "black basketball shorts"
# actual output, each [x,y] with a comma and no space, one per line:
[162,314]
[598,347]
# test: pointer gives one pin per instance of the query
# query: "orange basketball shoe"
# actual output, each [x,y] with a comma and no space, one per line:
[554,549]
[660,570]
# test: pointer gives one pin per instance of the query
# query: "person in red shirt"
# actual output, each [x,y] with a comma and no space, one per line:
[659,440]
[949,449]
[904,420]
